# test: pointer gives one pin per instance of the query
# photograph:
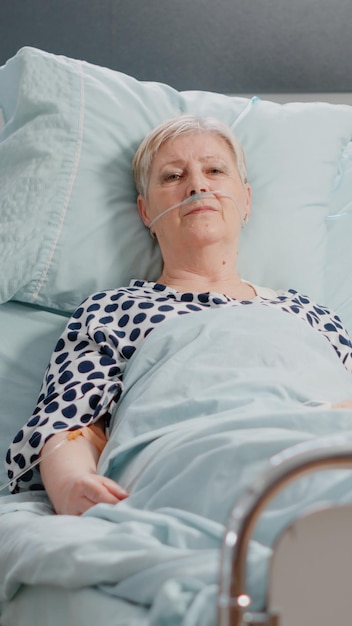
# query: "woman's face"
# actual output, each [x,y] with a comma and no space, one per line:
[190,164]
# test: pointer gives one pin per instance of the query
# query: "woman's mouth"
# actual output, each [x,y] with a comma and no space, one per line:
[200,209]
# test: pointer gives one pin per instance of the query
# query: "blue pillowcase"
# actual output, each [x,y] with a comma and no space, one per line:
[68,219]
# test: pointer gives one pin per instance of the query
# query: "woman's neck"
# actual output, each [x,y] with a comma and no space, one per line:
[227,283]
[204,268]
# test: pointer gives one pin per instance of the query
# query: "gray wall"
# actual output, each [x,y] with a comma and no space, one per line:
[234,46]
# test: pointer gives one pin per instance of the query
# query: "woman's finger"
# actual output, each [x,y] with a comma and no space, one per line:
[98,490]
[114,488]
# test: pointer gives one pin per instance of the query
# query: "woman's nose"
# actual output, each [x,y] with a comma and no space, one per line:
[194,191]
[197,184]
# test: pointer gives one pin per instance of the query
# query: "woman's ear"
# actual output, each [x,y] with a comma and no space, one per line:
[248,200]
[143,209]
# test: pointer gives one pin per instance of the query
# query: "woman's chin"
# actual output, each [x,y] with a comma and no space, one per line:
[205,232]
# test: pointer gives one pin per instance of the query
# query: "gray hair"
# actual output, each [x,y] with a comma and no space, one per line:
[181,125]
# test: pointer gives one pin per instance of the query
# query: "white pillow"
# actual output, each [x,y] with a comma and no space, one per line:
[69,224]
[339,250]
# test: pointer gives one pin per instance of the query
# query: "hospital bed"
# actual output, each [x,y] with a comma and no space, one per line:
[81,83]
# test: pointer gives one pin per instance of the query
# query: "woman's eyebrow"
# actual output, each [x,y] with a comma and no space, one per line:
[181,160]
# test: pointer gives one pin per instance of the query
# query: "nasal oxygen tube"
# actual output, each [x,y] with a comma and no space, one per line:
[194,198]
[93,433]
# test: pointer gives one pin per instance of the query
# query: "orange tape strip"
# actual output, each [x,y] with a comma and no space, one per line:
[93,433]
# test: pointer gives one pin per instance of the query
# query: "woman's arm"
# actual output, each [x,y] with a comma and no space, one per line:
[70,477]
[81,385]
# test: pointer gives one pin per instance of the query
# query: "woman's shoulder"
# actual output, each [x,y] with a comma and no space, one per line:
[282,294]
[291,297]
[136,288]
[296,301]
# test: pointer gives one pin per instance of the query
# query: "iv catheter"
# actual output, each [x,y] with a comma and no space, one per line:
[200,196]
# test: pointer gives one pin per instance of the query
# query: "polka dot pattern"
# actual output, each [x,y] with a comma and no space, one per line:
[83,381]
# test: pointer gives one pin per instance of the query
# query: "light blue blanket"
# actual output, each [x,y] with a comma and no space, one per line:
[208,399]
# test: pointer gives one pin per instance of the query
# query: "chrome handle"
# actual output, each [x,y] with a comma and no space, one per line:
[286,466]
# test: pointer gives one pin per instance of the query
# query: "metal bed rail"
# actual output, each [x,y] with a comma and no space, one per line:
[234,603]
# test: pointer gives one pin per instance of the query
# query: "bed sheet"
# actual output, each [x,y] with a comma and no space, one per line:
[46,605]
[186,453]
[28,336]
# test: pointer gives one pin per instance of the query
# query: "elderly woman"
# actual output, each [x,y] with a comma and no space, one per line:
[194,197]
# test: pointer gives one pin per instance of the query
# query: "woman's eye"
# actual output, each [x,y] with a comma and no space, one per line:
[216,170]
[172,176]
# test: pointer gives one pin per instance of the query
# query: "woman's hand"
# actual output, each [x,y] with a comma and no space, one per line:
[69,474]
[345,404]
[78,493]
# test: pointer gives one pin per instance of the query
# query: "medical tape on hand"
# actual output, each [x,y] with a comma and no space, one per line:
[94,434]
